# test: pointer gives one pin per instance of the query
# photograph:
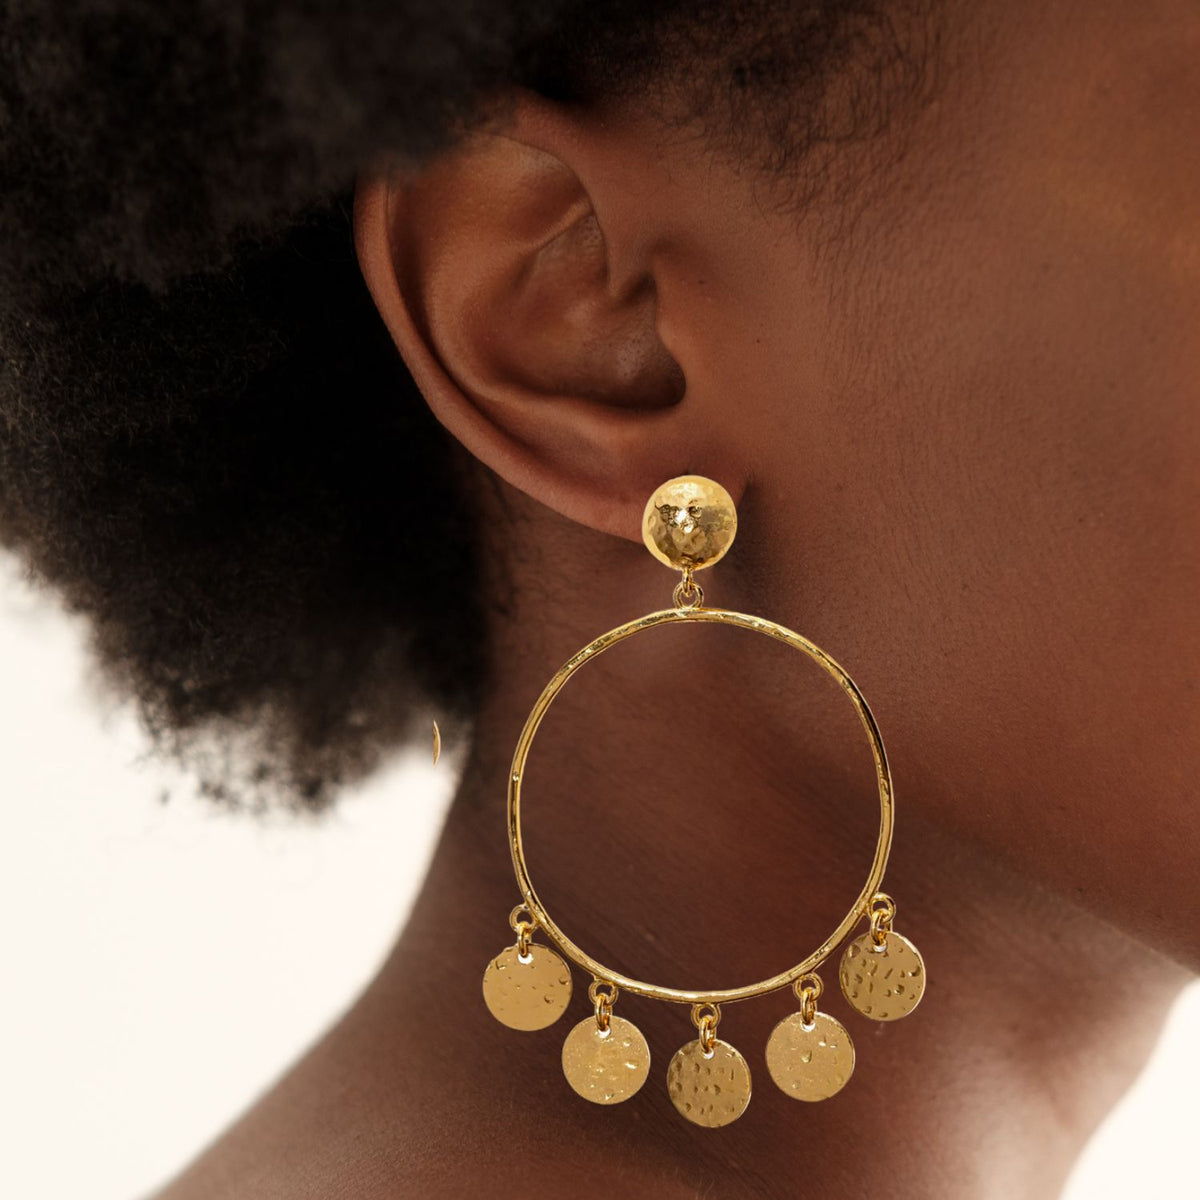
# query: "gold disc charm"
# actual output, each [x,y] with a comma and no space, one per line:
[710,1090]
[883,982]
[809,1054]
[606,1067]
[883,974]
[708,1079]
[526,986]
[810,1062]
[605,1058]
[527,995]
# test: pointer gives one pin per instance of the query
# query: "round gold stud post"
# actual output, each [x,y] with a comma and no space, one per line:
[689,523]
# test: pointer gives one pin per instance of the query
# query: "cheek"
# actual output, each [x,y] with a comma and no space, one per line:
[1030,425]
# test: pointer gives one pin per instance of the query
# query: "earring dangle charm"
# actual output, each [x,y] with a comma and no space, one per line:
[605,1058]
[883,974]
[708,1080]
[810,1055]
[689,524]
[526,986]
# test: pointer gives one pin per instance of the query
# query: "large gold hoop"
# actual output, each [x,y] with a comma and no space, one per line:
[861,906]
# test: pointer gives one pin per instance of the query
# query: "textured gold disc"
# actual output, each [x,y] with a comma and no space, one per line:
[689,522]
[710,1091]
[812,1063]
[607,1067]
[883,982]
[527,995]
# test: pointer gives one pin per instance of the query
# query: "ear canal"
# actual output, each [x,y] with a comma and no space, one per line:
[517,300]
[644,373]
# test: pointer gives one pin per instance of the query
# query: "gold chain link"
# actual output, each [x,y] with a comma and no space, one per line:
[688,593]
[524,924]
[603,996]
[706,1018]
[882,910]
[808,989]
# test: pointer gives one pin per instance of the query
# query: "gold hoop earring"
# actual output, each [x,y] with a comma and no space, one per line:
[689,524]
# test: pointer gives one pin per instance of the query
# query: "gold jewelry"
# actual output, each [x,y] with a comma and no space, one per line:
[689,524]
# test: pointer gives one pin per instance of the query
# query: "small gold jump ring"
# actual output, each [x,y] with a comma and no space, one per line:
[603,1013]
[808,989]
[602,1001]
[517,920]
[809,983]
[688,594]
[611,995]
[882,910]
[706,1018]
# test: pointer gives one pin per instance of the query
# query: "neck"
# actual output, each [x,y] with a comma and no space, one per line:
[677,853]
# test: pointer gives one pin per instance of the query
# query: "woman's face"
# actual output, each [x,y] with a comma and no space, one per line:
[973,416]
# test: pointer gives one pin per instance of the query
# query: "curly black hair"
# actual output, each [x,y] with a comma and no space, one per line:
[208,444]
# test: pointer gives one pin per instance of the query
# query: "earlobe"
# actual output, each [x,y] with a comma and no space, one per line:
[491,270]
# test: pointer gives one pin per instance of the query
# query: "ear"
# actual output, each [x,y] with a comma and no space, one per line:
[530,322]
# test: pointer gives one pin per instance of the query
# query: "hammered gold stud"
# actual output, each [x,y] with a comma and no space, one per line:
[689,523]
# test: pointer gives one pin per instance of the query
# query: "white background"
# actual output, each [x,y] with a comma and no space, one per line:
[163,962]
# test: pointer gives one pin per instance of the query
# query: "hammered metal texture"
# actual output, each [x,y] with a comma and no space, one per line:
[886,982]
[709,1091]
[690,521]
[813,1063]
[606,1068]
[528,995]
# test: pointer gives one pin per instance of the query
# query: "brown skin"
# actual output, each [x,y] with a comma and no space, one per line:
[961,421]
